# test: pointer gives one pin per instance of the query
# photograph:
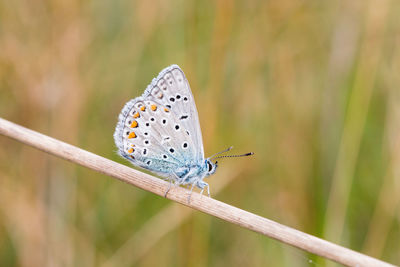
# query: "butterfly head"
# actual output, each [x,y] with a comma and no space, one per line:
[211,167]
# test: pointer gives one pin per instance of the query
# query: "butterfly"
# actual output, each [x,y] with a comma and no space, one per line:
[160,132]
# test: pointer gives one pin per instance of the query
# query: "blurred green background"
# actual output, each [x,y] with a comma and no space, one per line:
[312,87]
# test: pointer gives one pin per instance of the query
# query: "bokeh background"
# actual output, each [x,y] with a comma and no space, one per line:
[312,87]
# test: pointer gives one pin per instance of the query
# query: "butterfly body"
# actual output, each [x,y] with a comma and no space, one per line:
[194,174]
[160,131]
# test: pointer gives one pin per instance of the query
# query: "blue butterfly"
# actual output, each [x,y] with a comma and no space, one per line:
[160,131]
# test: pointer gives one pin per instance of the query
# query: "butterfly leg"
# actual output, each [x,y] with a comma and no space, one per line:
[174,180]
[202,185]
[201,192]
[190,194]
[169,188]
[208,190]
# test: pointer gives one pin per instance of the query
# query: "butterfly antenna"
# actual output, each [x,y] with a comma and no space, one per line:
[223,151]
[235,156]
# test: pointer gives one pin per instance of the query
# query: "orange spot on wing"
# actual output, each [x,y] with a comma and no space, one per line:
[134,124]
[166,110]
[142,108]
[132,135]
[153,107]
[136,115]
[130,150]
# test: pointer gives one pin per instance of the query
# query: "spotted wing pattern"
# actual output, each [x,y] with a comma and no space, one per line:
[160,130]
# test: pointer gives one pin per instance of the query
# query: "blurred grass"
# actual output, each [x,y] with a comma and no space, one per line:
[282,79]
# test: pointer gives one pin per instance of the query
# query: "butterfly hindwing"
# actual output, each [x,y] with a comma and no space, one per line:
[142,141]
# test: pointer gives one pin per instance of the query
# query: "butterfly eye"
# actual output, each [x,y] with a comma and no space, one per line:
[209,166]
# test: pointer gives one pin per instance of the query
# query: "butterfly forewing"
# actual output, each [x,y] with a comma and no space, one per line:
[176,95]
[160,130]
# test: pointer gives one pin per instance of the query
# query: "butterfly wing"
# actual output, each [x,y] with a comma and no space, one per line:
[173,91]
[160,131]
